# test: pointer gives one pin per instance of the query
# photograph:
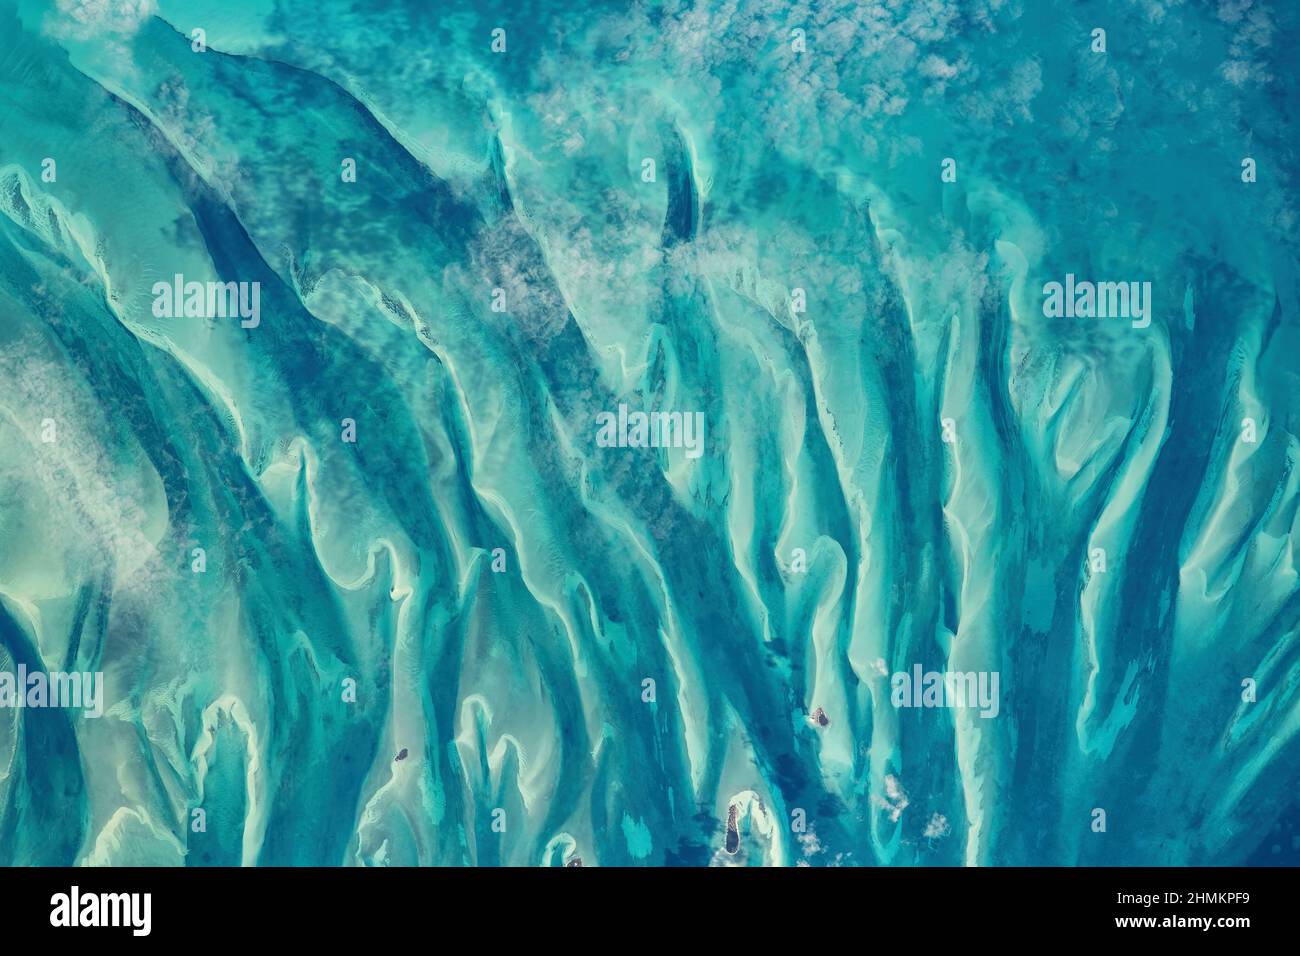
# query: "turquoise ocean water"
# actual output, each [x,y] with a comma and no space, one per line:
[369,582]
